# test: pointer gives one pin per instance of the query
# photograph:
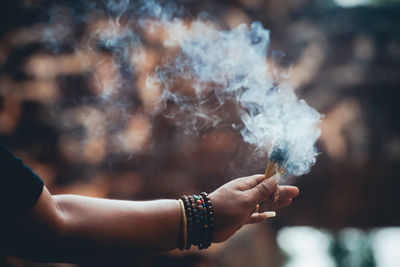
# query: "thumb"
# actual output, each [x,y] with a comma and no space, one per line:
[264,190]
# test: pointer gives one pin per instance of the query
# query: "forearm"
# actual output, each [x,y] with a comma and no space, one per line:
[71,228]
[117,229]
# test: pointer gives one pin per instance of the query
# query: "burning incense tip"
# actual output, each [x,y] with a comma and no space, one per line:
[272,169]
[276,162]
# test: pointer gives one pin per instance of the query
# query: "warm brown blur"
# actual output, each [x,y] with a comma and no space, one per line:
[87,123]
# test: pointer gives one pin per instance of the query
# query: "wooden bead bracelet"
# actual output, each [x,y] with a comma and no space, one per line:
[197,221]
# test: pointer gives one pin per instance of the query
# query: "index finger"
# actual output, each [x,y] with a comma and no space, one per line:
[288,191]
[286,194]
[264,190]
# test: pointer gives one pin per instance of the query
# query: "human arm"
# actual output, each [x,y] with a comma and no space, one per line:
[72,228]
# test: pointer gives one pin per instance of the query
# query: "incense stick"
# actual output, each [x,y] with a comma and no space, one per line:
[271,169]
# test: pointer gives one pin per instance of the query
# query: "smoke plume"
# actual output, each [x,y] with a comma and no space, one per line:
[220,65]
[203,69]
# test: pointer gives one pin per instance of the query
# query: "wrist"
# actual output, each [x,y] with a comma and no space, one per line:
[197,221]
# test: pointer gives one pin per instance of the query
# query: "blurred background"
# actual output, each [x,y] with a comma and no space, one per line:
[59,59]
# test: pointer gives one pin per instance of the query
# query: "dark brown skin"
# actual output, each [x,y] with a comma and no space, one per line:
[71,228]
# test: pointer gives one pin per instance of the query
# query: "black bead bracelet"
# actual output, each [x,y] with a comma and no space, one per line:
[199,221]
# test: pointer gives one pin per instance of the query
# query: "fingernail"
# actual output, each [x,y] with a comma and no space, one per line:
[270,214]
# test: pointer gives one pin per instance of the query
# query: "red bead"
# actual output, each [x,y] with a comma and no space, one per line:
[199,202]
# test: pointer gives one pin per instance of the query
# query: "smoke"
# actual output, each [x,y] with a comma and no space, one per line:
[217,66]
[203,69]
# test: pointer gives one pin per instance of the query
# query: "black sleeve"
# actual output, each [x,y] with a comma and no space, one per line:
[20,187]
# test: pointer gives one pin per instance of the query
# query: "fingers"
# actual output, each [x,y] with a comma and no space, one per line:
[268,205]
[249,182]
[276,205]
[264,189]
[286,194]
[284,203]
[260,217]
[288,191]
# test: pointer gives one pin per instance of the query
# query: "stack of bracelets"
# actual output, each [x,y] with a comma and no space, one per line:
[197,221]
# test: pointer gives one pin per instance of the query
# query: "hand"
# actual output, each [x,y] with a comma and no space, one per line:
[235,202]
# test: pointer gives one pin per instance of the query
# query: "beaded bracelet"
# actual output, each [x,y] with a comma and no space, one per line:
[189,221]
[209,226]
[199,221]
[183,231]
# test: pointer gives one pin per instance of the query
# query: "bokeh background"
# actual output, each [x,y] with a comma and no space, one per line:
[55,69]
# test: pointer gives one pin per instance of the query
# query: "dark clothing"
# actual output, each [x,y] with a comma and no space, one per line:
[20,187]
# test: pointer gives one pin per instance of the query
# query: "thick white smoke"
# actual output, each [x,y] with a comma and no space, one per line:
[205,69]
[232,65]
